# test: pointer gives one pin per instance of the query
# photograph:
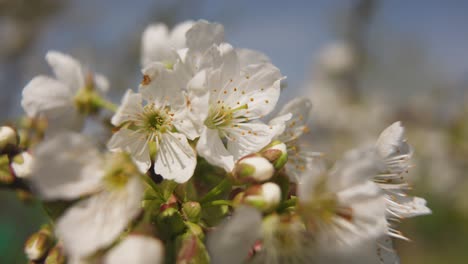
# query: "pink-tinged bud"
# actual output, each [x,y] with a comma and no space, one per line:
[192,211]
[22,165]
[253,168]
[55,256]
[6,177]
[8,137]
[277,153]
[38,244]
[265,197]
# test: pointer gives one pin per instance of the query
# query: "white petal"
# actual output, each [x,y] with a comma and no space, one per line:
[407,206]
[66,167]
[175,159]
[155,45]
[136,249]
[211,148]
[230,243]
[102,83]
[203,35]
[368,221]
[134,143]
[130,107]
[189,120]
[279,124]
[24,169]
[248,57]
[42,94]
[164,84]
[178,33]
[94,223]
[300,109]
[355,167]
[258,87]
[248,138]
[391,140]
[63,119]
[67,70]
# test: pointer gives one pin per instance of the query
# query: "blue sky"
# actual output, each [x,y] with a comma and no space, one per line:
[291,33]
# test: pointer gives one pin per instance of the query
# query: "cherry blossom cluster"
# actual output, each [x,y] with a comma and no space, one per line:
[196,165]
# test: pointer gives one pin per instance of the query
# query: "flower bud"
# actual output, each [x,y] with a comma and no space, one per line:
[170,222]
[253,168]
[277,153]
[55,256]
[22,164]
[6,177]
[192,211]
[8,137]
[265,197]
[196,230]
[191,250]
[38,244]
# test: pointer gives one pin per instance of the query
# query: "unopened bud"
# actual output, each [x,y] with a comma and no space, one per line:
[22,164]
[171,222]
[55,256]
[191,250]
[192,211]
[265,197]
[196,230]
[38,244]
[8,137]
[253,169]
[276,153]
[6,177]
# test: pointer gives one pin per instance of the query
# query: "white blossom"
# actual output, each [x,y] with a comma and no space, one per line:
[295,116]
[22,165]
[231,242]
[136,249]
[68,166]
[55,98]
[153,122]
[239,97]
[160,45]
[343,206]
[396,152]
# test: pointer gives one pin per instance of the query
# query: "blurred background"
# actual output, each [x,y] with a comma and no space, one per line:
[363,63]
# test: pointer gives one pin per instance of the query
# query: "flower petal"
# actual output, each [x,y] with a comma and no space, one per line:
[44,93]
[67,70]
[391,141]
[248,57]
[136,249]
[230,243]
[247,138]
[175,159]
[94,223]
[300,109]
[178,40]
[203,35]
[163,85]
[155,45]
[134,143]
[130,107]
[66,166]
[102,83]
[211,148]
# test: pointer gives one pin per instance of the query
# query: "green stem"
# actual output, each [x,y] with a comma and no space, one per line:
[221,202]
[288,203]
[103,103]
[224,185]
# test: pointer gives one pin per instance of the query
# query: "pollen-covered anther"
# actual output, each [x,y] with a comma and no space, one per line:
[146,80]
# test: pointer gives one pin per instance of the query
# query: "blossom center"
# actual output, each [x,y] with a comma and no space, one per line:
[220,115]
[156,119]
